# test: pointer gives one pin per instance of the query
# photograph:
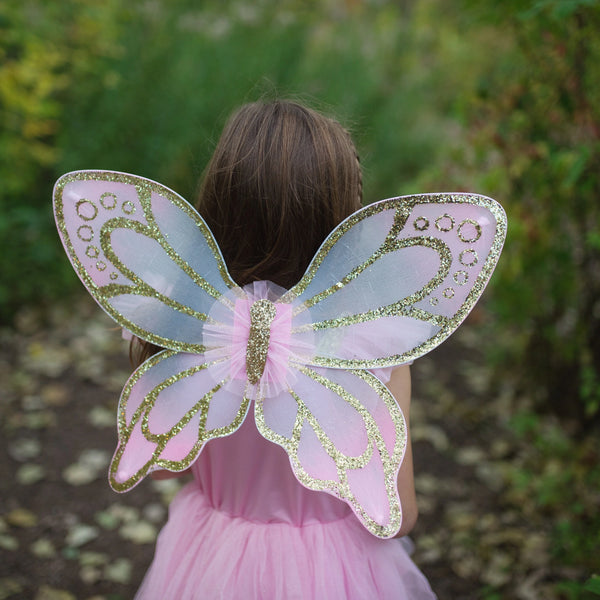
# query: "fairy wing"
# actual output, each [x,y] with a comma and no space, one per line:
[389,284]
[344,434]
[143,252]
[397,277]
[152,264]
[169,408]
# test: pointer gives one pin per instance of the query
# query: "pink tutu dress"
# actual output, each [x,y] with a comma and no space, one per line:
[245,528]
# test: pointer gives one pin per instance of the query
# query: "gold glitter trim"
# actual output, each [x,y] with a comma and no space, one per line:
[144,411]
[341,488]
[262,313]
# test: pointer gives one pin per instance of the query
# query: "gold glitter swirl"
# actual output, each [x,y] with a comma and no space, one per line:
[262,313]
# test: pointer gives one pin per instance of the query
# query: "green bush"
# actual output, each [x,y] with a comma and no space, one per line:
[146,89]
[530,124]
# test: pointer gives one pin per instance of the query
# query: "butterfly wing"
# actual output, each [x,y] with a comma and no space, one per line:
[344,434]
[145,255]
[150,261]
[397,278]
[389,284]
[170,407]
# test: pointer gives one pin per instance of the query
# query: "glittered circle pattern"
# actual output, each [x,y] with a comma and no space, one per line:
[421,223]
[469,231]
[468,258]
[108,200]
[461,277]
[86,210]
[434,301]
[85,233]
[448,293]
[100,265]
[128,207]
[92,252]
[444,223]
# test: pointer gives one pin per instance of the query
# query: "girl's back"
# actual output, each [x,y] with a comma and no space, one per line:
[281,178]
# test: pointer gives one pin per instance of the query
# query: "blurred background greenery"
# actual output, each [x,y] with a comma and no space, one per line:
[501,98]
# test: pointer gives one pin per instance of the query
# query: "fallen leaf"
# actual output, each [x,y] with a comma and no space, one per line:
[39,420]
[139,532]
[30,473]
[119,571]
[48,360]
[24,449]
[43,548]
[93,559]
[81,534]
[48,593]
[470,455]
[21,517]
[78,474]
[90,575]
[8,542]
[106,520]
[9,587]
[54,394]
[436,436]
[100,416]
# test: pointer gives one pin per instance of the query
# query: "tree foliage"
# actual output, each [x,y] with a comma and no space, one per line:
[499,98]
[534,123]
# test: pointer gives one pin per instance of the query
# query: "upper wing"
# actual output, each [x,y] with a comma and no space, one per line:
[396,278]
[145,255]
[344,434]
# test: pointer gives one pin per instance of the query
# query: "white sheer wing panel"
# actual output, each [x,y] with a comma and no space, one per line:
[169,408]
[344,434]
[143,252]
[397,278]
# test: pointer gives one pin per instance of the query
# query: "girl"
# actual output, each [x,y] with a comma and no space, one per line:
[281,178]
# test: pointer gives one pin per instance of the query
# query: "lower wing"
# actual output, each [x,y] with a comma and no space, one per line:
[344,434]
[170,407]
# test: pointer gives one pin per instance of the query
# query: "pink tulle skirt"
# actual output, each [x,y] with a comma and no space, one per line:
[205,553]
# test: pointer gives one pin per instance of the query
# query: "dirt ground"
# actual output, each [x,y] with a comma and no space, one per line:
[64,534]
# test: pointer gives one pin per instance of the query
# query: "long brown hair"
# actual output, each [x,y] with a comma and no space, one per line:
[281,178]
